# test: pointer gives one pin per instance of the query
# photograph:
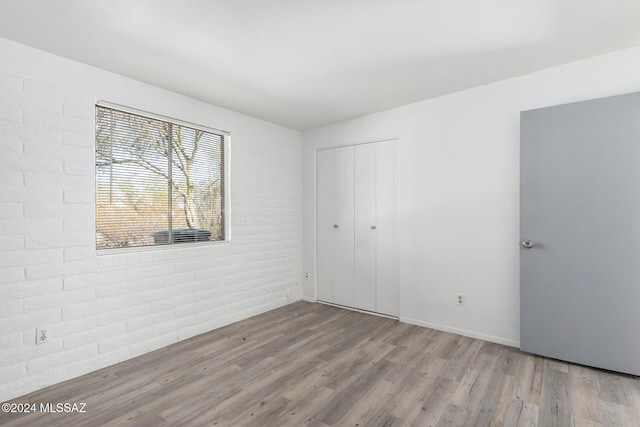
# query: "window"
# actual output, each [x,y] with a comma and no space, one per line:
[154,175]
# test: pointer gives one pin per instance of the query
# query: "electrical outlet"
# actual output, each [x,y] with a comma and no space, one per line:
[460,299]
[42,335]
[306,275]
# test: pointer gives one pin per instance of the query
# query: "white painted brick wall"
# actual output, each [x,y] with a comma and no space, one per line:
[103,309]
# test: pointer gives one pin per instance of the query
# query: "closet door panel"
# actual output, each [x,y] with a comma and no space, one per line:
[365,226]
[325,230]
[343,187]
[387,228]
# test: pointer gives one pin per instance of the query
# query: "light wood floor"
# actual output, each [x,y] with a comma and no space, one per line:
[316,365]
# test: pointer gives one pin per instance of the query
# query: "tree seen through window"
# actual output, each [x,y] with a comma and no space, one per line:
[153,176]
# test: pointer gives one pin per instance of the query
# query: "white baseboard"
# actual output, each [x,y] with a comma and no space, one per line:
[463,332]
[444,328]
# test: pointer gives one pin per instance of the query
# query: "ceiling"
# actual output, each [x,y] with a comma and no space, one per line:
[305,63]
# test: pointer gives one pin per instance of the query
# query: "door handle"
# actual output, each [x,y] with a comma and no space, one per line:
[335,225]
[373,227]
[528,244]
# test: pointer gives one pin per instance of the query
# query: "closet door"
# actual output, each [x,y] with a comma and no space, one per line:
[343,214]
[325,231]
[365,226]
[357,223]
[386,207]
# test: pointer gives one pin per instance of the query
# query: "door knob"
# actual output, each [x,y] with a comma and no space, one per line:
[335,225]
[528,244]
[373,227]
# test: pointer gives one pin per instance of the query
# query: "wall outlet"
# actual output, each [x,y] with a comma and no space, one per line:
[460,299]
[42,335]
[306,275]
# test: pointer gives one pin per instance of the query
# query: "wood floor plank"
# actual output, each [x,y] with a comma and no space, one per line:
[478,392]
[528,379]
[338,407]
[434,402]
[504,401]
[316,365]
[520,414]
[618,415]
[555,408]
[384,419]
[584,394]
[372,405]
[406,392]
[304,407]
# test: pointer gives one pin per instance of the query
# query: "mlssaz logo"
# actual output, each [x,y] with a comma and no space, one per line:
[63,407]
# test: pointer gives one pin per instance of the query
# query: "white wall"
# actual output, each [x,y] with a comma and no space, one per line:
[459,191]
[104,309]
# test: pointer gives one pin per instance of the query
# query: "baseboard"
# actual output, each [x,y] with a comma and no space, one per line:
[444,328]
[463,332]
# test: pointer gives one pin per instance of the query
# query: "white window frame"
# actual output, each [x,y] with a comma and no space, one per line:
[226,136]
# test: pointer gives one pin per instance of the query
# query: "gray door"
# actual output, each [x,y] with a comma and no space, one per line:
[580,207]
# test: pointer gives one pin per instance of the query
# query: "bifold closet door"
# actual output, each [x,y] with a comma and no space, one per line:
[343,215]
[365,226]
[386,208]
[335,175]
[357,226]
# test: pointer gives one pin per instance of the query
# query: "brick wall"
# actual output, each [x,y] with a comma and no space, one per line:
[103,309]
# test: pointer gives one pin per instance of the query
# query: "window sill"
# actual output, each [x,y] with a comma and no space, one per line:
[156,248]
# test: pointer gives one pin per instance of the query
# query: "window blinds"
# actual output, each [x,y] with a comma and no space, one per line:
[158,182]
